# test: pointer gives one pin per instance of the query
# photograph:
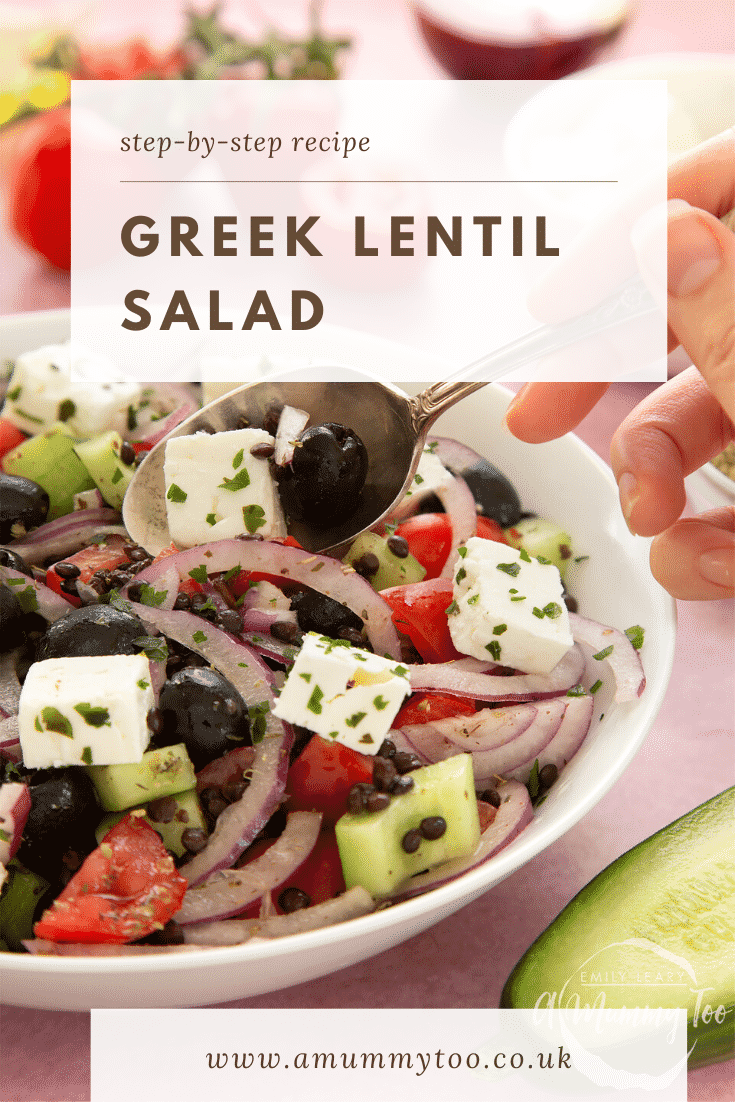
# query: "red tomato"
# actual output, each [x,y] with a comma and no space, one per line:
[241,583]
[323,774]
[420,612]
[102,556]
[426,707]
[131,60]
[39,199]
[186,585]
[320,875]
[127,888]
[10,436]
[429,538]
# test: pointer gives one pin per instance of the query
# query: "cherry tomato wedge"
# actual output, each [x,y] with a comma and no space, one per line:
[10,436]
[420,612]
[427,707]
[187,585]
[429,538]
[127,888]
[98,556]
[322,776]
[39,187]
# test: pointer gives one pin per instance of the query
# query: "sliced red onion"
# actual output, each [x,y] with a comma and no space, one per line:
[319,572]
[257,619]
[9,735]
[47,603]
[268,647]
[460,507]
[565,743]
[233,931]
[167,396]
[230,891]
[524,744]
[15,803]
[89,499]
[453,454]
[624,660]
[168,582]
[39,947]
[291,424]
[65,534]
[513,815]
[231,767]
[483,731]
[9,684]
[449,677]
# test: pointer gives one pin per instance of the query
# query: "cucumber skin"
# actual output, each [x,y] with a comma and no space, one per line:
[529,980]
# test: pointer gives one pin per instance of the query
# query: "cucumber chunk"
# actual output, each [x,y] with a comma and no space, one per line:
[391,570]
[370,843]
[542,539]
[50,460]
[163,772]
[101,457]
[187,816]
[665,906]
[18,904]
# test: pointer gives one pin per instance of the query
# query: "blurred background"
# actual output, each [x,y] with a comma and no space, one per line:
[43,45]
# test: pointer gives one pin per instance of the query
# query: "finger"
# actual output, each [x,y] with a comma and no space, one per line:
[669,435]
[704,176]
[695,559]
[544,411]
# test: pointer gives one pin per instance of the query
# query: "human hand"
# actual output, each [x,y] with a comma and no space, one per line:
[690,419]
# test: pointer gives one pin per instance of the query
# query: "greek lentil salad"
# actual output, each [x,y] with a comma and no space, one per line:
[238,739]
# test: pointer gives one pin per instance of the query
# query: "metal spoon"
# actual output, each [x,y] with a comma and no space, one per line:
[392,425]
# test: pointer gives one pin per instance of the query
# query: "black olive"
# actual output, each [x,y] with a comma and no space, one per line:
[317,612]
[92,630]
[327,475]
[204,710]
[14,561]
[495,496]
[11,620]
[21,502]
[63,816]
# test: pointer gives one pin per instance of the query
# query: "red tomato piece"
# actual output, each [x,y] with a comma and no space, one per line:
[320,875]
[427,707]
[39,199]
[127,888]
[322,776]
[186,585]
[429,538]
[102,556]
[10,436]
[420,612]
[241,583]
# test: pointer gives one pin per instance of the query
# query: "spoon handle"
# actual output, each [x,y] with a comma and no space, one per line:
[631,300]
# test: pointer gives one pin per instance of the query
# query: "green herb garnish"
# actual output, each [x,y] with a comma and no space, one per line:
[94,715]
[239,482]
[253,517]
[175,493]
[636,634]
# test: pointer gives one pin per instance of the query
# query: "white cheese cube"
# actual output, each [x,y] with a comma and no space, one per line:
[508,607]
[343,693]
[41,391]
[85,711]
[430,475]
[217,489]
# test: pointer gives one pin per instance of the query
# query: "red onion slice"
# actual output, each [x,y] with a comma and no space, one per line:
[227,769]
[233,931]
[460,507]
[64,534]
[451,678]
[15,803]
[485,730]
[565,743]
[47,603]
[319,572]
[9,684]
[39,947]
[513,815]
[291,424]
[175,402]
[624,660]
[232,890]
[9,732]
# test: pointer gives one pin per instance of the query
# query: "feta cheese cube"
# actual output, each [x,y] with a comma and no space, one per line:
[509,607]
[217,489]
[343,693]
[431,475]
[85,711]
[41,391]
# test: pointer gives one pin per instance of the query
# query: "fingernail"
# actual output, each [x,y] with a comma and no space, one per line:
[628,489]
[514,401]
[717,566]
[694,254]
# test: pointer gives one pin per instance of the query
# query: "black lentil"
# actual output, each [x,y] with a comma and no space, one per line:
[230,621]
[491,796]
[387,749]
[384,773]
[285,630]
[411,841]
[127,452]
[398,546]
[162,810]
[406,762]
[377,801]
[263,450]
[293,899]
[432,827]
[547,776]
[182,602]
[402,784]
[67,570]
[154,719]
[367,565]
[194,839]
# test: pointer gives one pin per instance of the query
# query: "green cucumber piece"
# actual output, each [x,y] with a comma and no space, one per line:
[542,539]
[101,457]
[21,896]
[391,569]
[163,772]
[50,460]
[188,816]
[370,843]
[665,906]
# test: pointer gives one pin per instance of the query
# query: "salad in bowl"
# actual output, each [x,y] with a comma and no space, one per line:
[234,744]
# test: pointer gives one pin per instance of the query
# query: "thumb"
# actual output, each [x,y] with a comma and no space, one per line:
[695,558]
[700,300]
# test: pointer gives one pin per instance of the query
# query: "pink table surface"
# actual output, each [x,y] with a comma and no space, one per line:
[687,758]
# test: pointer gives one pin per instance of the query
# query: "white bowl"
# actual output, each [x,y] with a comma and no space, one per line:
[562,479]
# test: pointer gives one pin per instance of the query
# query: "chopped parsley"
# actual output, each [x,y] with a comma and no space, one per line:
[55,722]
[211,518]
[142,683]
[355,719]
[461,551]
[199,637]
[87,755]
[27,598]
[518,598]
[525,555]
[539,612]
[552,610]
[511,568]
[306,677]
[636,634]
[499,629]
[151,597]
[154,648]
[597,685]
[314,703]
[94,715]
[494,648]
[473,599]
[534,784]
[175,493]
[453,609]
[237,461]
[581,558]
[14,394]
[258,713]
[253,517]
[239,482]
[380,702]
[461,574]
[603,653]
[116,476]
[418,479]
[199,574]
[66,409]
[576,690]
